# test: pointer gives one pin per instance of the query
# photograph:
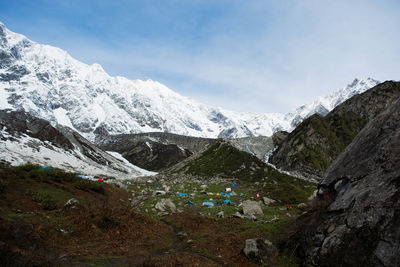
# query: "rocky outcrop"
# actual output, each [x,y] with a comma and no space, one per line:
[252,208]
[316,142]
[358,203]
[257,146]
[259,250]
[19,123]
[24,138]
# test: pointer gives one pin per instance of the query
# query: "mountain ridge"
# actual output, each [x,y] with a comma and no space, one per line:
[48,83]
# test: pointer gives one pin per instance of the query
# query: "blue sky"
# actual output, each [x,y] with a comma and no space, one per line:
[250,55]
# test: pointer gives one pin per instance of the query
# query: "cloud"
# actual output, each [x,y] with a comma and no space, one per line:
[264,56]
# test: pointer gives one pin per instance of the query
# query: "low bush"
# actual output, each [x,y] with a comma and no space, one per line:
[88,185]
[47,201]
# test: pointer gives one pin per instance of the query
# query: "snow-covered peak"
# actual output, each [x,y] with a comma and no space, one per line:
[324,104]
[48,83]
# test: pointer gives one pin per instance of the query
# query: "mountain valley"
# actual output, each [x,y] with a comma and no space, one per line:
[98,170]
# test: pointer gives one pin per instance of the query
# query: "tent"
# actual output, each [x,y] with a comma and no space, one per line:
[182,194]
[208,204]
[227,202]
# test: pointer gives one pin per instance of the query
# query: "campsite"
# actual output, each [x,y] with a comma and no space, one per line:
[77,221]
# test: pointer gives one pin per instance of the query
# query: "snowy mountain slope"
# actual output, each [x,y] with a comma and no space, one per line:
[28,139]
[48,83]
[324,104]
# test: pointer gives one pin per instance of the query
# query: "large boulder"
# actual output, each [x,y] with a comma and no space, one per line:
[165,204]
[357,218]
[259,250]
[252,208]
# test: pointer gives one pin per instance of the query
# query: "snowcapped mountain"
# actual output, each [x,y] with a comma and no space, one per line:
[25,138]
[324,104]
[48,83]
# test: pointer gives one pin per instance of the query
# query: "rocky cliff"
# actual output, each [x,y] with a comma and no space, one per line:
[358,215]
[313,145]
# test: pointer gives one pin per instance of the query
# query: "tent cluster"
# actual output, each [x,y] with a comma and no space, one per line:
[90,178]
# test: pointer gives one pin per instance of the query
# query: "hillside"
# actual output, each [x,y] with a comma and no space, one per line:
[356,221]
[227,162]
[312,146]
[26,138]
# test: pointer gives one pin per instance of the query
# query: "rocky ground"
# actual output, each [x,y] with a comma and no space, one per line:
[49,217]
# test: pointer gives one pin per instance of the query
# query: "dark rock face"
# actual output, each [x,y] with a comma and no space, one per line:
[316,142]
[279,137]
[19,122]
[361,191]
[156,156]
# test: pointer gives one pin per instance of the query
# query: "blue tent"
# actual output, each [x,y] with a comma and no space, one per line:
[208,204]
[182,194]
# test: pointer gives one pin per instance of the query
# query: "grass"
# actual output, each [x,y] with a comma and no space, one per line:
[107,228]
[48,197]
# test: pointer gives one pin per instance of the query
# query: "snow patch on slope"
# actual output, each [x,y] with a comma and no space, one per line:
[124,160]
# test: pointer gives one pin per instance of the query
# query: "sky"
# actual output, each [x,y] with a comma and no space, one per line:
[241,55]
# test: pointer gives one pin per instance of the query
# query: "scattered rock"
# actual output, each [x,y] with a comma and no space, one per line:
[302,206]
[166,188]
[159,192]
[252,208]
[203,187]
[163,213]
[165,204]
[268,201]
[71,202]
[250,217]
[238,215]
[181,234]
[220,214]
[259,250]
[331,228]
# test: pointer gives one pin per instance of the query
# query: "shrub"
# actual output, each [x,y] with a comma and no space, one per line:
[46,200]
[88,185]
[3,185]
[28,167]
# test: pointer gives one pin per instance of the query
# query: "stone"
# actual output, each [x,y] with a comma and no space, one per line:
[71,202]
[331,228]
[252,208]
[160,192]
[165,204]
[302,206]
[250,217]
[260,250]
[238,215]
[220,214]
[268,201]
[163,213]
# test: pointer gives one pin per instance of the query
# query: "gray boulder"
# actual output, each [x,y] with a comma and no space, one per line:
[73,202]
[165,204]
[268,201]
[252,208]
[259,250]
